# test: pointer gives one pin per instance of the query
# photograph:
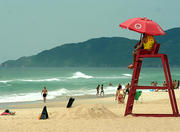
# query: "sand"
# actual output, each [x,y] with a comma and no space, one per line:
[94,115]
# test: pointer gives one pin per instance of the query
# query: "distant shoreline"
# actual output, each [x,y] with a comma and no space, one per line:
[62,102]
[20,105]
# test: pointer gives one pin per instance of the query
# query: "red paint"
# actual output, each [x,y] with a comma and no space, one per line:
[135,79]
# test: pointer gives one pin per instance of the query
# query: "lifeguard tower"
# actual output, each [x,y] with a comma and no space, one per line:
[135,77]
[144,25]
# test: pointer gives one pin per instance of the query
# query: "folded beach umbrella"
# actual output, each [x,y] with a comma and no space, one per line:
[70,102]
[44,114]
[143,25]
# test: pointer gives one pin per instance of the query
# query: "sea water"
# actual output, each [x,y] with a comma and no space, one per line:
[26,84]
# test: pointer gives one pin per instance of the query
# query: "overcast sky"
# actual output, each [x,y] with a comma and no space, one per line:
[30,26]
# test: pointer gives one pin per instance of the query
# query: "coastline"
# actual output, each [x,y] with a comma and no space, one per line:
[94,114]
[38,103]
[61,101]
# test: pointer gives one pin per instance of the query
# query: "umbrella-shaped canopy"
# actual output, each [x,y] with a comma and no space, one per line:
[143,25]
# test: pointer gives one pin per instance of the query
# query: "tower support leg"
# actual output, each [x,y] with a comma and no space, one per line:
[134,87]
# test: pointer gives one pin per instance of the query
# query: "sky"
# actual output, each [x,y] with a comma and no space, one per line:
[28,27]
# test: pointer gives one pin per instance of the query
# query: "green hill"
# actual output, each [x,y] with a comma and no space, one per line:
[170,45]
[99,52]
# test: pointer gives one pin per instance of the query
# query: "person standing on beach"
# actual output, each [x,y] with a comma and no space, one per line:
[164,84]
[155,85]
[120,94]
[44,94]
[102,90]
[152,83]
[175,84]
[127,88]
[97,89]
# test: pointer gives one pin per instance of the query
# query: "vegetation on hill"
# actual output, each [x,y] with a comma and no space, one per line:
[99,52]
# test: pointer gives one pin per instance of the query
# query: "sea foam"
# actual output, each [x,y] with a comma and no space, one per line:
[80,75]
[40,80]
[5,81]
[35,96]
[128,75]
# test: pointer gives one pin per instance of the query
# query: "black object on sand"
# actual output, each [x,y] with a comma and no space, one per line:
[44,114]
[71,100]
[7,111]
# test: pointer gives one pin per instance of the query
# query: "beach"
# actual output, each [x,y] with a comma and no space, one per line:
[68,66]
[98,114]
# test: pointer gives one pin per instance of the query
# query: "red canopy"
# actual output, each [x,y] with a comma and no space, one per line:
[143,25]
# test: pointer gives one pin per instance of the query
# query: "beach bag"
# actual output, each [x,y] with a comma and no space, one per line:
[70,102]
[137,95]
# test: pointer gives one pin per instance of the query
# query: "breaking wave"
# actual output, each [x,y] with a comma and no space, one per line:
[80,75]
[127,75]
[35,96]
[40,80]
[5,81]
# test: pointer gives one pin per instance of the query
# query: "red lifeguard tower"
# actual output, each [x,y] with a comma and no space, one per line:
[144,25]
[134,82]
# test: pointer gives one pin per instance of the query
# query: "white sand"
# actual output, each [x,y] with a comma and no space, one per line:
[94,115]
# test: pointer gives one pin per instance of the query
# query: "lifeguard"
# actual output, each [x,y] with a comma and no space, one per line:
[146,43]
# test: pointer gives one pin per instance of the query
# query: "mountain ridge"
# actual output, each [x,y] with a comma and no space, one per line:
[98,52]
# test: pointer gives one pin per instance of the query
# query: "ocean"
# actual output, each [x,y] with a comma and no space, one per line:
[26,84]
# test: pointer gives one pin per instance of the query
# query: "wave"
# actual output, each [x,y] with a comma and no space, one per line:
[40,80]
[20,97]
[80,75]
[127,75]
[5,81]
[75,75]
[123,76]
[111,77]
[31,80]
[25,97]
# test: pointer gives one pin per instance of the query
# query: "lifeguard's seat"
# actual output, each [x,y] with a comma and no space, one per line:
[154,51]
[135,78]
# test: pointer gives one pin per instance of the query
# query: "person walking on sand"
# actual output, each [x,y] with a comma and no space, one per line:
[119,95]
[97,89]
[44,94]
[102,90]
